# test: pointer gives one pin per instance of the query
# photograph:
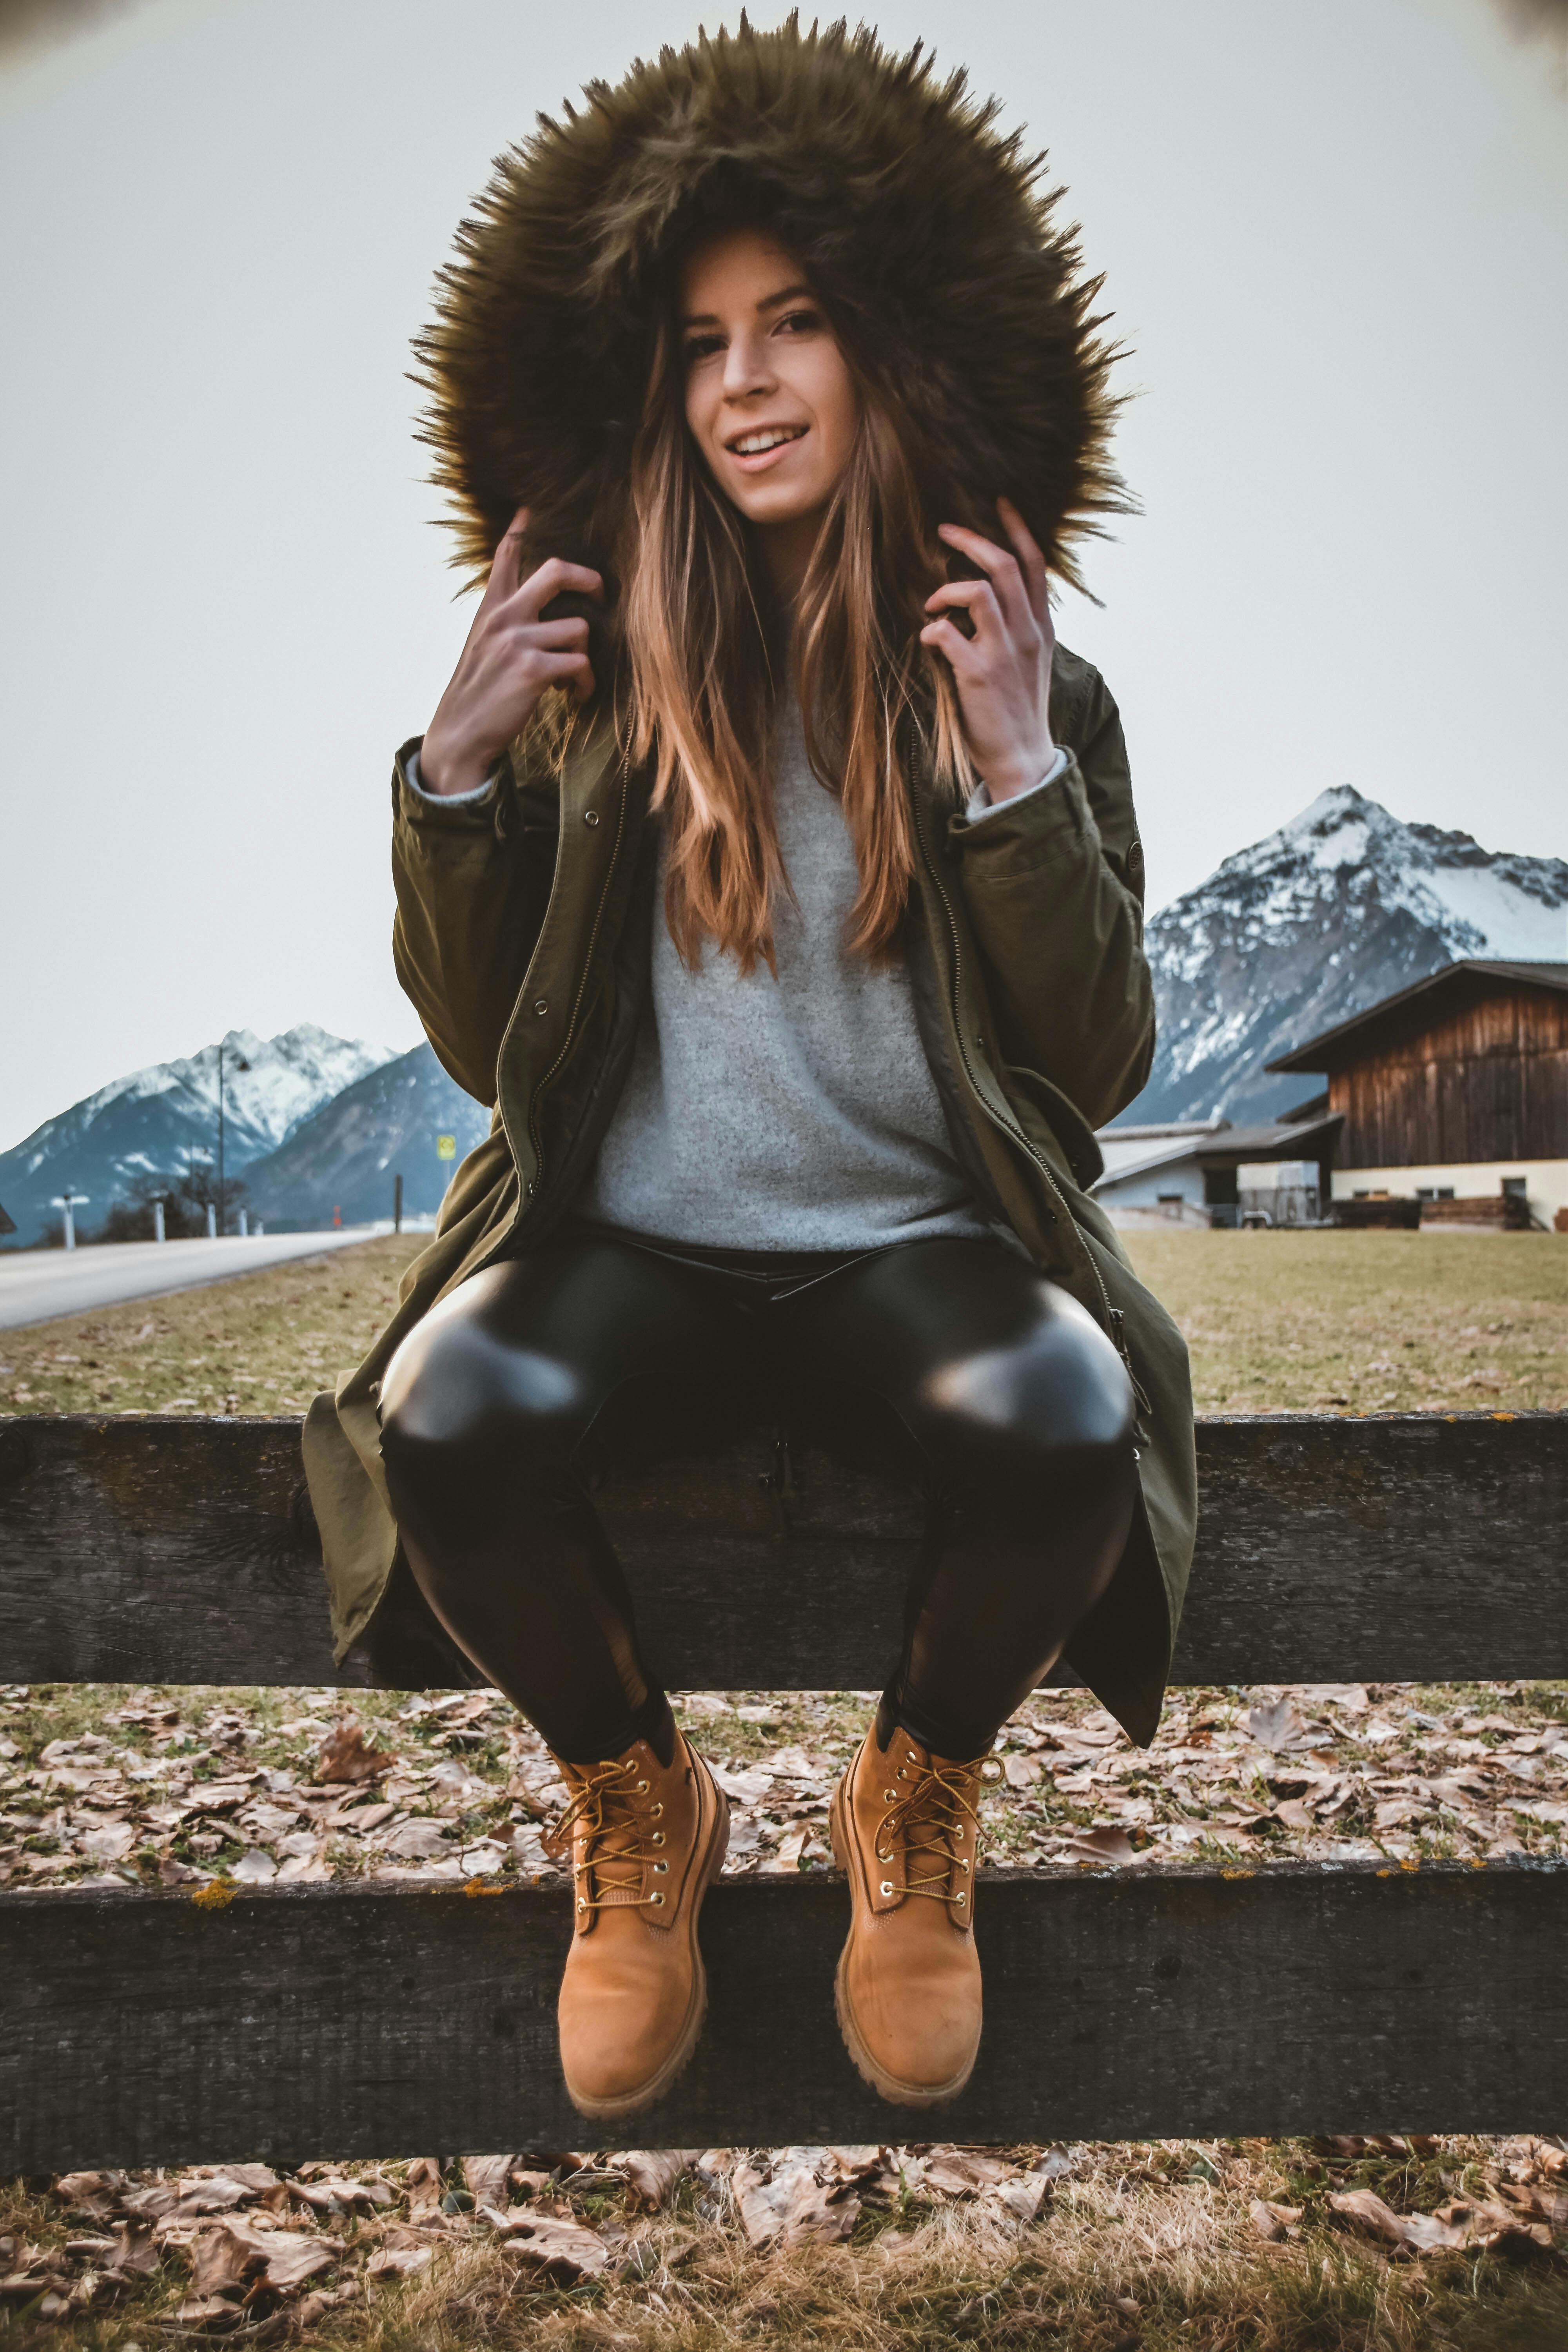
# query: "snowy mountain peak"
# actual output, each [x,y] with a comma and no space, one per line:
[1341,905]
[155,1121]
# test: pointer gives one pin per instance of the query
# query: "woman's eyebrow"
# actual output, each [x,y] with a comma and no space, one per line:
[768,302]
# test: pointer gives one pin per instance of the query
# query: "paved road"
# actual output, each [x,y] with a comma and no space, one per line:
[37,1285]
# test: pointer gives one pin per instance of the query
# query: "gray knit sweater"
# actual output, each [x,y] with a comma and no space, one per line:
[796,1114]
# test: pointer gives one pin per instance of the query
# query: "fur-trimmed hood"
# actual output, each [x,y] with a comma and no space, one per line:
[927,236]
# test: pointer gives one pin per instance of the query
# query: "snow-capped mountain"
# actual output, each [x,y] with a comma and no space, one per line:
[1341,906]
[344,1156]
[152,1122]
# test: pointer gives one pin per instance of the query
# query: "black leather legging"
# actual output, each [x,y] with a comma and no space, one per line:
[952,1361]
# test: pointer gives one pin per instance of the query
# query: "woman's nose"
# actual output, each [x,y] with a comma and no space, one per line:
[745,367]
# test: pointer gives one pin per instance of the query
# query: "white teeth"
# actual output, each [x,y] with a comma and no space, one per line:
[753,444]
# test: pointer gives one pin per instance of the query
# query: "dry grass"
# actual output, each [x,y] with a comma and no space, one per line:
[264,1343]
[1437,1322]
[1277,1323]
[1146,2246]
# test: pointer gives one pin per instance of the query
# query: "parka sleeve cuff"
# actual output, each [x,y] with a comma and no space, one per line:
[980,803]
[454,809]
[1034,827]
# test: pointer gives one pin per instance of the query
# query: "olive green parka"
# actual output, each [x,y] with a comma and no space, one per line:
[524,917]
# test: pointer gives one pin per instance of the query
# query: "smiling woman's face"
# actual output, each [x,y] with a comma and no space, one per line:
[769,399]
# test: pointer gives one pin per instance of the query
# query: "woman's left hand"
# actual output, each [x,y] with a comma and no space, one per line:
[1003,672]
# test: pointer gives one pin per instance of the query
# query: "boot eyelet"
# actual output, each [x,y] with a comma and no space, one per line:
[661,1866]
[889,1796]
[642,1788]
[655,1812]
[582,1903]
[910,1756]
[963,1865]
[658,1900]
[887,1886]
[656,1839]
[961,1900]
[883,1856]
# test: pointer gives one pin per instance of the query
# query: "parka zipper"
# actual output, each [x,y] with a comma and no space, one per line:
[537,1185]
[1111,1316]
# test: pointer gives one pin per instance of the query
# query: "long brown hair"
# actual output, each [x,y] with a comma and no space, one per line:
[698,678]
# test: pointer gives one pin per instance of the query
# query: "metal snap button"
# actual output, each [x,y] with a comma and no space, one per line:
[590,816]
[542,1004]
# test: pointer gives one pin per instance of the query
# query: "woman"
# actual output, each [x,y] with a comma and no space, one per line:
[774,875]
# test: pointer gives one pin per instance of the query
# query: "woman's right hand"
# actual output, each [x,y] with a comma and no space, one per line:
[510,658]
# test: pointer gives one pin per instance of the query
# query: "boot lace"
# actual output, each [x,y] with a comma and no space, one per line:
[605,1809]
[926,1823]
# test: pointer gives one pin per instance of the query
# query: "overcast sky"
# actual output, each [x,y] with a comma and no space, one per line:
[1332,230]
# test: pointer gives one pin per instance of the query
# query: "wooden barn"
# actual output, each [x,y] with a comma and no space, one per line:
[1455,1092]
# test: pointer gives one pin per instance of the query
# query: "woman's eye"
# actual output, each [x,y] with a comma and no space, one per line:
[702,347]
[801,322]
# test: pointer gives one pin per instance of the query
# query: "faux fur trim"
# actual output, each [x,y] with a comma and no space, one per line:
[930,239]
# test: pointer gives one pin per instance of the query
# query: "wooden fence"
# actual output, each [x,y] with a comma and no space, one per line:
[363,2020]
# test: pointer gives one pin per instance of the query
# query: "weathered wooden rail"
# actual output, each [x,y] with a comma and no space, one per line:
[367,2021]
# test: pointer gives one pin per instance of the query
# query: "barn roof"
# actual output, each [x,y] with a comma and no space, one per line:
[1311,1057]
[1212,1143]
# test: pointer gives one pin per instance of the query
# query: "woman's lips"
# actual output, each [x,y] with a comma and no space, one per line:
[762,458]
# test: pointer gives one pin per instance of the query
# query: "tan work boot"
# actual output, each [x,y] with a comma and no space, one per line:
[908,1992]
[645,1841]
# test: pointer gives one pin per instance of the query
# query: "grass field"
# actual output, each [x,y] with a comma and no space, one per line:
[1226,2246]
[1277,1322]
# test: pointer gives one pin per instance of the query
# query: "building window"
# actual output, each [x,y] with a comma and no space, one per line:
[1518,1185]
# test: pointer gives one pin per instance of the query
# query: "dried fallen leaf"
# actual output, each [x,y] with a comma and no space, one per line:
[1275,1725]
[135,2250]
[207,2311]
[558,2250]
[421,1841]
[254,1868]
[111,1844]
[1022,2198]
[95,2194]
[1273,2223]
[423,2183]
[345,1756]
[652,2172]
[397,2262]
[223,2258]
[484,2177]
[1103,1843]
[784,2203]
[962,2172]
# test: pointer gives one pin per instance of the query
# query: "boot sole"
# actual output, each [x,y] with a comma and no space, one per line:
[891,2087]
[631,2103]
